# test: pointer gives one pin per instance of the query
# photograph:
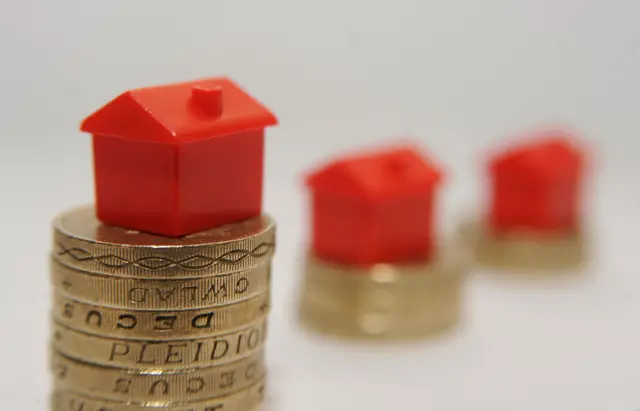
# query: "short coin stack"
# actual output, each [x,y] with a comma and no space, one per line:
[384,301]
[143,322]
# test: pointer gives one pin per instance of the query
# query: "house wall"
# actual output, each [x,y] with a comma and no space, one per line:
[361,231]
[342,228]
[220,179]
[135,183]
[533,204]
[404,229]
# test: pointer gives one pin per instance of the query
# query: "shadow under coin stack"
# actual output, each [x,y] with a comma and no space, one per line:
[145,322]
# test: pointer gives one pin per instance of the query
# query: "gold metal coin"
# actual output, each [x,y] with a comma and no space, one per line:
[245,400]
[82,242]
[383,301]
[155,294]
[171,354]
[158,325]
[526,251]
[151,385]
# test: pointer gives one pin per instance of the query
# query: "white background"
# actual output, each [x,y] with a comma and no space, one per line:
[458,75]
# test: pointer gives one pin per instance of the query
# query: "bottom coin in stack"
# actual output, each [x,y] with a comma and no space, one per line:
[248,399]
[152,385]
[383,301]
[527,251]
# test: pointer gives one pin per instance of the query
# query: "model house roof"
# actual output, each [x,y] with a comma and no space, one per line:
[180,112]
[379,175]
[549,155]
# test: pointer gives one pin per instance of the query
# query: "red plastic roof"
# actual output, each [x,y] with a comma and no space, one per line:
[550,155]
[379,175]
[180,112]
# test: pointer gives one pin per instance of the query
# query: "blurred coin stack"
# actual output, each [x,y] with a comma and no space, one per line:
[385,301]
[147,322]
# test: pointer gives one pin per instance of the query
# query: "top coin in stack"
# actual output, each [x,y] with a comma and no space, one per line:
[126,284]
[83,243]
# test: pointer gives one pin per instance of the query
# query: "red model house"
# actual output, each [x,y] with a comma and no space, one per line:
[179,158]
[374,208]
[536,185]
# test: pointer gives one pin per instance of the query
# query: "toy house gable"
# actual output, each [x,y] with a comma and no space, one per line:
[335,179]
[180,112]
[551,158]
[124,117]
[377,176]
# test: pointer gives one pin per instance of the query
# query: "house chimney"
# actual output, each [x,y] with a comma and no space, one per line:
[208,99]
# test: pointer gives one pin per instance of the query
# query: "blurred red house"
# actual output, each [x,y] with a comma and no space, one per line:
[374,208]
[536,186]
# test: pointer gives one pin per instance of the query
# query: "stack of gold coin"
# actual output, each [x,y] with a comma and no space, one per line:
[522,250]
[144,322]
[384,301]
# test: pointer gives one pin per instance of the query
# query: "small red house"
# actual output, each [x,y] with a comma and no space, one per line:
[179,158]
[536,185]
[374,208]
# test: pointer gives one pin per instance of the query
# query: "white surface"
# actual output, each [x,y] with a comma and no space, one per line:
[458,75]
